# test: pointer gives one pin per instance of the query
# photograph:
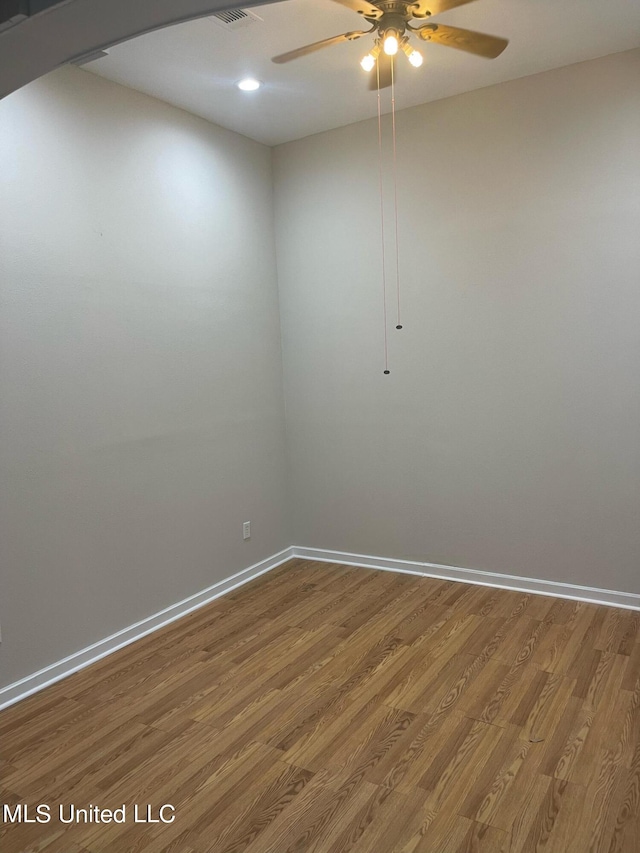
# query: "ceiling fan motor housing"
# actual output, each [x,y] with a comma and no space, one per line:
[391,21]
[391,11]
[396,14]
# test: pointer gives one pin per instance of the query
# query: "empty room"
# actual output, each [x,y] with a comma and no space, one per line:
[320,426]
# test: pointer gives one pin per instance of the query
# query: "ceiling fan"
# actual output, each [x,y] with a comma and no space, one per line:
[391,20]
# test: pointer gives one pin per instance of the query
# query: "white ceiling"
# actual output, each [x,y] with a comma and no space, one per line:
[195,65]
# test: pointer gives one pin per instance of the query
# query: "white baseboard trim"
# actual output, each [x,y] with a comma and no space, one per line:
[591,595]
[79,660]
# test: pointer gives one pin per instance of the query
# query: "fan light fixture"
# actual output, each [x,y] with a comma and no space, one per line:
[414,56]
[367,62]
[248,84]
[391,42]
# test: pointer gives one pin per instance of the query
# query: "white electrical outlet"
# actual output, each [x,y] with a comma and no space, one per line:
[246,530]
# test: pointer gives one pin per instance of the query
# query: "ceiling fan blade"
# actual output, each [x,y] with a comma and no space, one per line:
[362,7]
[317,45]
[479,43]
[384,64]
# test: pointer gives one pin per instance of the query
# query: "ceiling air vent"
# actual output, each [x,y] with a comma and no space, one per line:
[234,19]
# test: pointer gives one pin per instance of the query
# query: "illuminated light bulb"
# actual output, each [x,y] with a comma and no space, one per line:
[390,45]
[367,62]
[415,58]
[248,85]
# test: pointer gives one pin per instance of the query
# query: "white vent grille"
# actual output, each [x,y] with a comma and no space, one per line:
[234,19]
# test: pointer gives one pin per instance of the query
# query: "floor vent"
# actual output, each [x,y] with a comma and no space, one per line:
[235,19]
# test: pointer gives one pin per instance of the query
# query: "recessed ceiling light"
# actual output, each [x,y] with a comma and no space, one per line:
[248,84]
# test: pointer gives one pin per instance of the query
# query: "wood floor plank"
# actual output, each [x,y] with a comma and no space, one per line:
[328,709]
[482,838]
[257,809]
[632,669]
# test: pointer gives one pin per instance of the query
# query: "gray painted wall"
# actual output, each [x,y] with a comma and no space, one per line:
[507,436]
[141,376]
[141,379]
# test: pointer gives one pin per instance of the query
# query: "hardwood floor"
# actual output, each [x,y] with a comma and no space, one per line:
[326,709]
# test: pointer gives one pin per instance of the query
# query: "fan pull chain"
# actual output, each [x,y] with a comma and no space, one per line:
[384,274]
[395,188]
